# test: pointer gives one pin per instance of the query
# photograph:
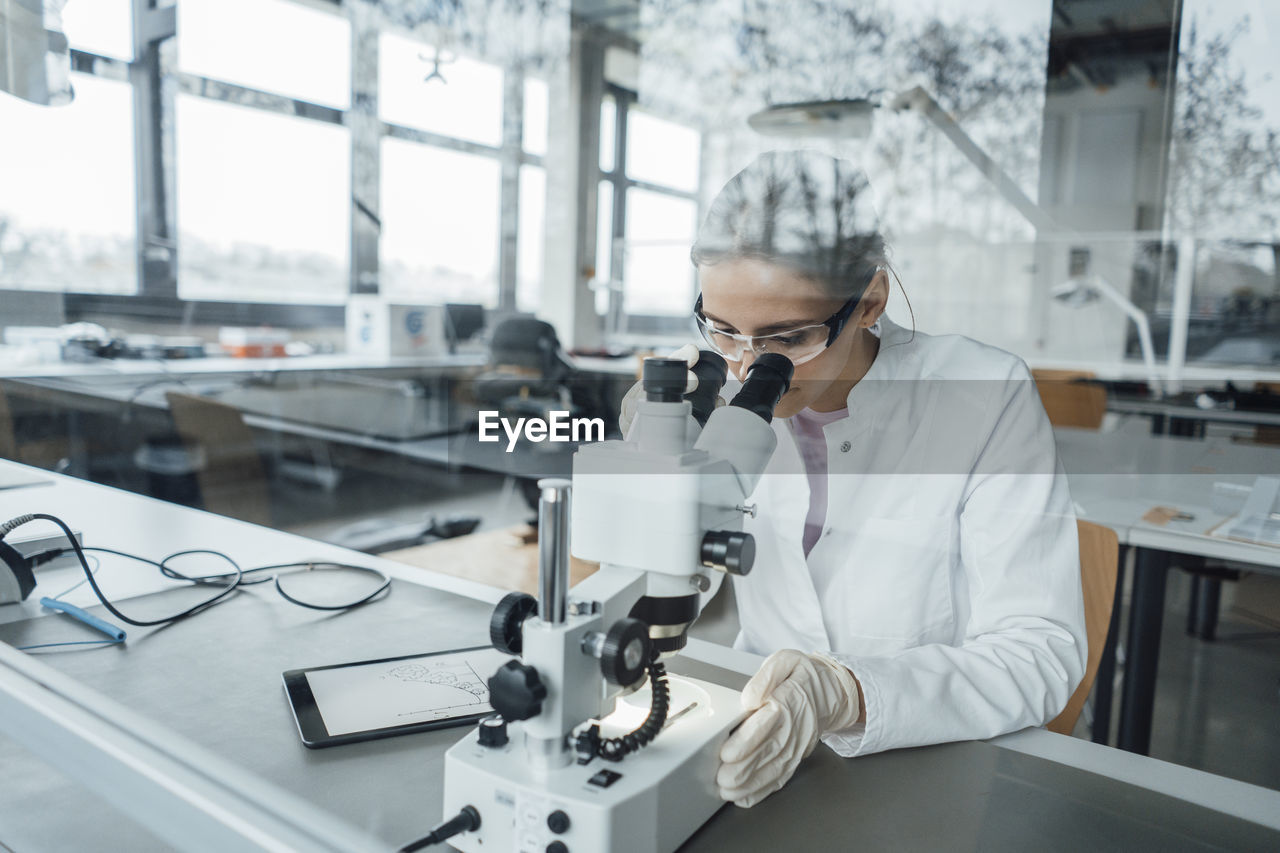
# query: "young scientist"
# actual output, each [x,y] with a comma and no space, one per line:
[917,577]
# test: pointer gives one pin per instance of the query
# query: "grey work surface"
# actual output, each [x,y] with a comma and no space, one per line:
[216,680]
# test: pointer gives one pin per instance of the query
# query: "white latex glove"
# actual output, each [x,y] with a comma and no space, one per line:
[688,352]
[795,698]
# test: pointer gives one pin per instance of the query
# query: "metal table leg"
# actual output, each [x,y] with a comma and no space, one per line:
[1207,606]
[1193,608]
[1102,690]
[1146,616]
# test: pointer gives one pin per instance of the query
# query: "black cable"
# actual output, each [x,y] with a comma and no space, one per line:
[614,748]
[233,579]
[84,564]
[467,820]
[383,587]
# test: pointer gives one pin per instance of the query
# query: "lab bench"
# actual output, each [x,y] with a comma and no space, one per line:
[201,703]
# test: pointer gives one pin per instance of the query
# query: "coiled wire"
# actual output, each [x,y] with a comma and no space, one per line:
[614,748]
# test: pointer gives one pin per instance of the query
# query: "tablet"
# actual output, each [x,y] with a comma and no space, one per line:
[351,702]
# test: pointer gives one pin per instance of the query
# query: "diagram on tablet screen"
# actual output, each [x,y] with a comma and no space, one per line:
[383,694]
[461,676]
[456,685]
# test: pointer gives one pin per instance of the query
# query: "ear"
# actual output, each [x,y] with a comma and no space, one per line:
[873,302]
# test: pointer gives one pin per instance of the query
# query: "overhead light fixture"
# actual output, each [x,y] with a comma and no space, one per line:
[843,119]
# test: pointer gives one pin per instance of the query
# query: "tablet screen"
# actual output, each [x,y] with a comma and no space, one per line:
[406,691]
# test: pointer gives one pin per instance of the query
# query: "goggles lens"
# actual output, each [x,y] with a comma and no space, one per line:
[799,345]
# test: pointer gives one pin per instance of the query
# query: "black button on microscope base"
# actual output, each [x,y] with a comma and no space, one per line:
[558,822]
[557,847]
[604,778]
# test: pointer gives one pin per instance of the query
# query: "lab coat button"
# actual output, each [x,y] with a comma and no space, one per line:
[846,446]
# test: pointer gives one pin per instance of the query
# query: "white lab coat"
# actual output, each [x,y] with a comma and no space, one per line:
[947,577]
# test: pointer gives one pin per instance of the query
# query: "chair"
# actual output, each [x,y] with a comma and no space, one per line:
[32,442]
[8,436]
[232,478]
[527,370]
[529,375]
[1071,398]
[1099,553]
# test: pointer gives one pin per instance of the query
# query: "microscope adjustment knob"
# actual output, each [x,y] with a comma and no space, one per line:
[516,692]
[558,822]
[625,652]
[507,619]
[493,731]
[729,550]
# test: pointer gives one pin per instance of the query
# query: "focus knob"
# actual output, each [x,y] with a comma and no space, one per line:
[493,731]
[516,692]
[625,652]
[729,550]
[507,619]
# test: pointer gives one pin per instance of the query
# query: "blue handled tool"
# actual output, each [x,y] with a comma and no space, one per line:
[89,619]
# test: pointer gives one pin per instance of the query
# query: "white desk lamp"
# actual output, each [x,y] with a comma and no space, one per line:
[852,119]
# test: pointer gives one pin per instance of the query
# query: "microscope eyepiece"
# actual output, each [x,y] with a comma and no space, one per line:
[712,371]
[768,378]
[665,379]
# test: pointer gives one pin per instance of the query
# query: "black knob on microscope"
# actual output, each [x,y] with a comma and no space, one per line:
[625,652]
[493,731]
[516,692]
[731,550]
[507,618]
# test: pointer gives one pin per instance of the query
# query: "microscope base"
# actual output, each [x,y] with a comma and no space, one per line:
[659,797]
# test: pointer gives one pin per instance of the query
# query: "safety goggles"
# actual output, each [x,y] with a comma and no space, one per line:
[800,345]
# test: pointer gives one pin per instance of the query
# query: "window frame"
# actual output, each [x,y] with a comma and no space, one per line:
[155,87]
[645,325]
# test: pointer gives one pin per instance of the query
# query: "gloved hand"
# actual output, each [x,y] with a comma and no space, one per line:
[796,698]
[688,352]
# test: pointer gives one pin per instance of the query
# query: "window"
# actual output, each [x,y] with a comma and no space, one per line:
[452,96]
[104,27]
[439,224]
[263,205]
[649,267]
[67,209]
[271,45]
[657,270]
[535,116]
[604,232]
[608,129]
[530,235]
[661,152]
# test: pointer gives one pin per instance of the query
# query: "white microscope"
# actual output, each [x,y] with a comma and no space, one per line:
[583,756]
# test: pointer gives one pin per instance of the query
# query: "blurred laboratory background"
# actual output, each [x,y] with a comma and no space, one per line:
[269,258]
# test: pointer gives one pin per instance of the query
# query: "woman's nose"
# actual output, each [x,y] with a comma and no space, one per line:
[741,368]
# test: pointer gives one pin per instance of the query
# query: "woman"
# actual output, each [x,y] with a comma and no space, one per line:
[917,577]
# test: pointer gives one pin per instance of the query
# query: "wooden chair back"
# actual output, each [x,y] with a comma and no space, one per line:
[1069,401]
[1099,555]
[232,480]
[8,436]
